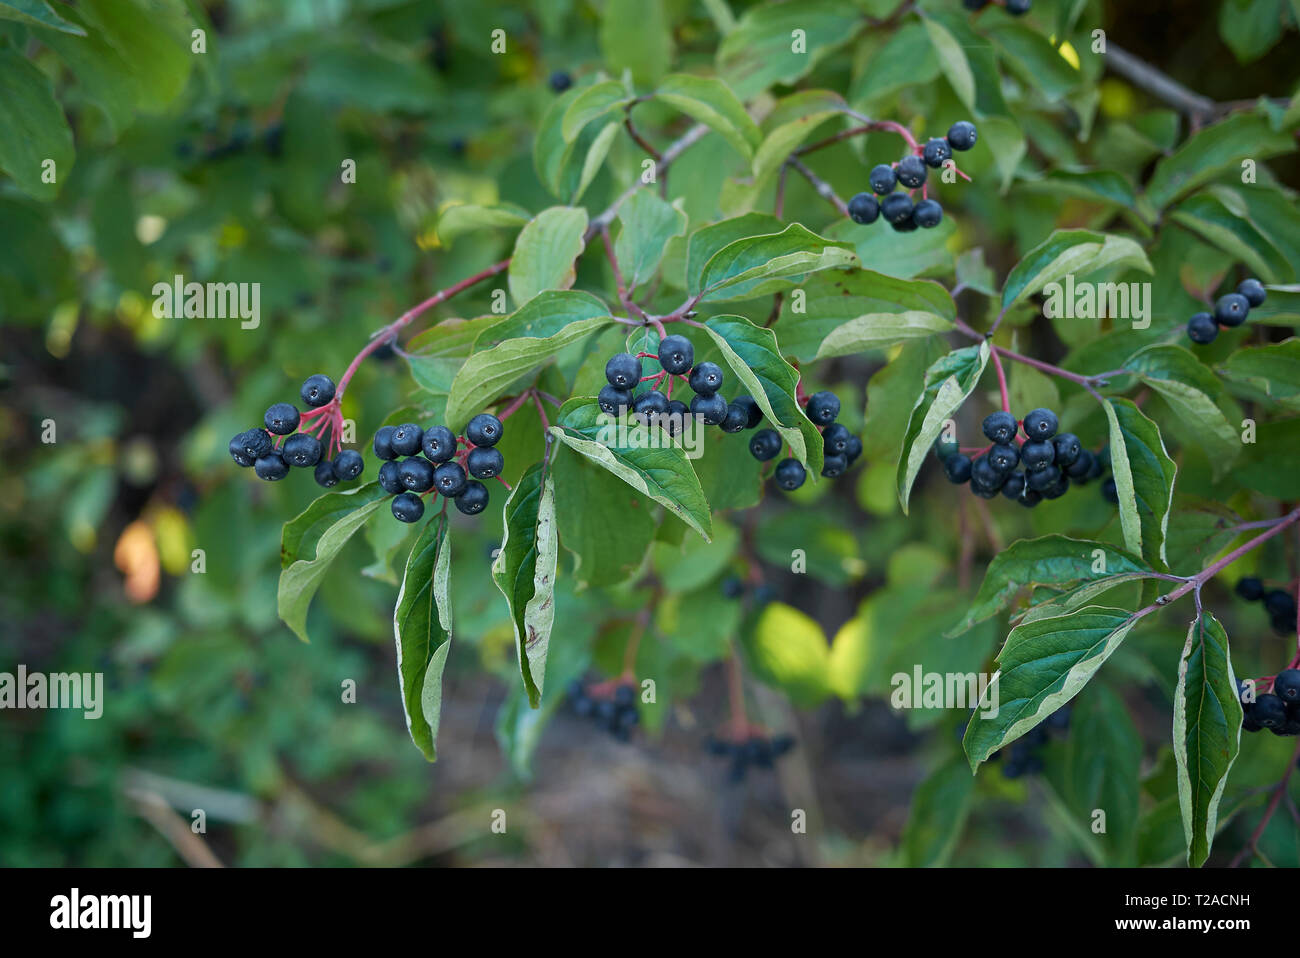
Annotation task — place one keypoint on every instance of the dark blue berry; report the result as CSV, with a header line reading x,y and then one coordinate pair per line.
x,y
317,390
765,444
1286,686
449,479
1231,310
1014,485
613,400
1202,329
834,465
937,152
1250,588
676,354
711,407
911,171
408,507
416,474
485,463
271,467
1000,427
383,444
1254,292
324,474
406,439
706,378
390,477
1037,454
485,429
962,135
281,419
864,209
1067,448
651,403
348,464
623,371
560,81
823,408
1269,711
896,208
239,451
1110,492
928,214
753,412
957,468
790,474
736,418
883,179
1040,424
301,450
474,499
438,444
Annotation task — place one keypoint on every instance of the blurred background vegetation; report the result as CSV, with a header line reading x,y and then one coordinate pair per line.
x,y
223,166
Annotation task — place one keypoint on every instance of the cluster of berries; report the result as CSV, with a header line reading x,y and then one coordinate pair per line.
x,y
281,444
442,468
613,711
840,447
1051,462
754,751
1230,310
1278,603
1278,710
897,208
1016,8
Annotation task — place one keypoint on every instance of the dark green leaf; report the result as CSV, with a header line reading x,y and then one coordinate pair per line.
x,y
422,630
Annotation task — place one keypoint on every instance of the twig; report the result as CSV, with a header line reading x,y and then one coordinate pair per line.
x,y
823,188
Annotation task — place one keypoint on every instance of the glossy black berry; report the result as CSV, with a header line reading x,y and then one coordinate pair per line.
x,y
1035,455
675,419
348,464
985,476
239,451
864,209
1030,498
560,81
406,439
281,419
622,371
317,390
613,400
408,507
897,208
957,468
1004,457
976,4
1018,8
1109,492
474,499
882,179
271,467
823,408
907,226
732,587
1269,711
390,477
1068,449
735,419
928,214
937,153
1250,588
416,474
1059,488
1286,686
1230,310
438,444
854,449
676,354
449,479
1042,478
485,429
485,463
324,474
1283,624
836,437
753,412
1000,427
706,378
911,171
1254,292
1279,602
710,407
765,444
383,444
650,403
962,135
1014,485
834,465
945,447
1081,469
1202,329
790,474
1040,424
301,450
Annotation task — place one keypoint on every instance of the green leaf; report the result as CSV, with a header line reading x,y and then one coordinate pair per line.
x,y
1250,27
754,356
788,649
37,13
312,541
1043,665
708,240
891,394
648,223
1207,731
1144,479
463,218
153,38
947,384
905,255
524,571
1038,63
592,103
566,168
104,75
740,266
939,809
436,355
790,123
1213,151
1190,389
642,456
489,374
1079,252
1272,370
546,314
32,128
907,58
545,251
422,631
862,310
711,102
1105,186
589,501
636,36
760,50
953,62
1054,560
1207,214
